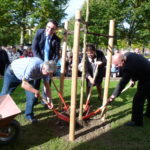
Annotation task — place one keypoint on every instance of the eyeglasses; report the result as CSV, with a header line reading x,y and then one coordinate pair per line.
x,y
52,29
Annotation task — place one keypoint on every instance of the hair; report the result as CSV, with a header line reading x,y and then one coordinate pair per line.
x,y
13,46
50,66
53,21
90,47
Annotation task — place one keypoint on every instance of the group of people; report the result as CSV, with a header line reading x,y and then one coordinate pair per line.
x,y
45,48
29,71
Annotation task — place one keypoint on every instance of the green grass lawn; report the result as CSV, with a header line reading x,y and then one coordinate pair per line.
x,y
41,136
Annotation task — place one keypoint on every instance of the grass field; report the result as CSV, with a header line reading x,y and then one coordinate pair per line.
x,y
42,137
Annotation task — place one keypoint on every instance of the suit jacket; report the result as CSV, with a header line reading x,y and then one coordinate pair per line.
x,y
39,43
137,68
101,69
4,61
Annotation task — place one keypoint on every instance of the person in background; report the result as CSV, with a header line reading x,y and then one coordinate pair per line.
x,y
69,60
24,53
4,61
25,71
30,53
13,54
58,64
136,68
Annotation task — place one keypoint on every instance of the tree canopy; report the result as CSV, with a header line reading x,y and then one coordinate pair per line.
x,y
131,19
20,15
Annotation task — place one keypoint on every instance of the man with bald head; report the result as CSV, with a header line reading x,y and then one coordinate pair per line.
x,y
136,68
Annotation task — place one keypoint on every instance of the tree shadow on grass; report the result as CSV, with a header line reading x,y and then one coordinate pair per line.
x,y
118,138
96,135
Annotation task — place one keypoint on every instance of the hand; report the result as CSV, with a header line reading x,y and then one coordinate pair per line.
x,y
92,81
99,63
50,103
37,94
132,83
110,99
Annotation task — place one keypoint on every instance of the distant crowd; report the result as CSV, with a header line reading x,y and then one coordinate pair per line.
x,y
9,54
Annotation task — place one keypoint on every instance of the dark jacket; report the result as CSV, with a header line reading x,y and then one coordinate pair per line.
x,y
39,43
136,68
4,61
101,69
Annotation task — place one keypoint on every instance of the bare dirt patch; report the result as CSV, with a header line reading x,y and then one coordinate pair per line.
x,y
92,128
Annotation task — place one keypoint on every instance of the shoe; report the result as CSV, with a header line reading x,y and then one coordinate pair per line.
x,y
146,115
133,124
31,119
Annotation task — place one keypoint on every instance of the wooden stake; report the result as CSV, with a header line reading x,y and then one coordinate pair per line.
x,y
83,66
109,60
63,63
74,75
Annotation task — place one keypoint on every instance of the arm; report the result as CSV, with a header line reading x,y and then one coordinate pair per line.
x,y
47,90
56,48
125,79
25,85
35,45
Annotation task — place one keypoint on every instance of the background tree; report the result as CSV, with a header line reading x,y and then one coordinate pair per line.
x,y
131,17
20,15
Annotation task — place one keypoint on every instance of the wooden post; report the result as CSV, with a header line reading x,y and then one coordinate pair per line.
x,y
74,75
83,65
109,60
63,62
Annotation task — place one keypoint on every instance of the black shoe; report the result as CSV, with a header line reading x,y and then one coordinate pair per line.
x,y
147,115
133,124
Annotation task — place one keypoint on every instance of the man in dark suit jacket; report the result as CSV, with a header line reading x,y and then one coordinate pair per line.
x,y
38,45
94,57
137,68
39,42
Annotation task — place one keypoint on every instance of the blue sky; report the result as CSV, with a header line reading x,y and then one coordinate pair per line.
x,y
74,5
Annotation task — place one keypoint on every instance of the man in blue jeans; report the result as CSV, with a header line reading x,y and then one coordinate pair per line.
x,y
25,71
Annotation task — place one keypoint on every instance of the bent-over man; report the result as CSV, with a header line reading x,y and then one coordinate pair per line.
x,y
136,68
25,71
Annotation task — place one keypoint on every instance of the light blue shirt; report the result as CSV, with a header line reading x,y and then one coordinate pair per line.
x,y
29,68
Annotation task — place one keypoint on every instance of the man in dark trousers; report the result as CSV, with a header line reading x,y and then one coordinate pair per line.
x,y
137,68
46,44
94,57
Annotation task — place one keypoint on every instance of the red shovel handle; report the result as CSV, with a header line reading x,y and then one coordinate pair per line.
x,y
92,113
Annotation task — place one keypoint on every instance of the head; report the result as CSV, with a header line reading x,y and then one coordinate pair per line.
x,y
137,50
48,67
118,59
25,53
51,27
90,50
14,50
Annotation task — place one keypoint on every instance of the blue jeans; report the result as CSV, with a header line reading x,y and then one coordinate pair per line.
x,y
10,83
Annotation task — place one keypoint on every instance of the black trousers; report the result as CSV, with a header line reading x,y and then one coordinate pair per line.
x,y
139,99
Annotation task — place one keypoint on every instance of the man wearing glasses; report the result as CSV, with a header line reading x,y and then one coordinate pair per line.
x,y
46,44
39,42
